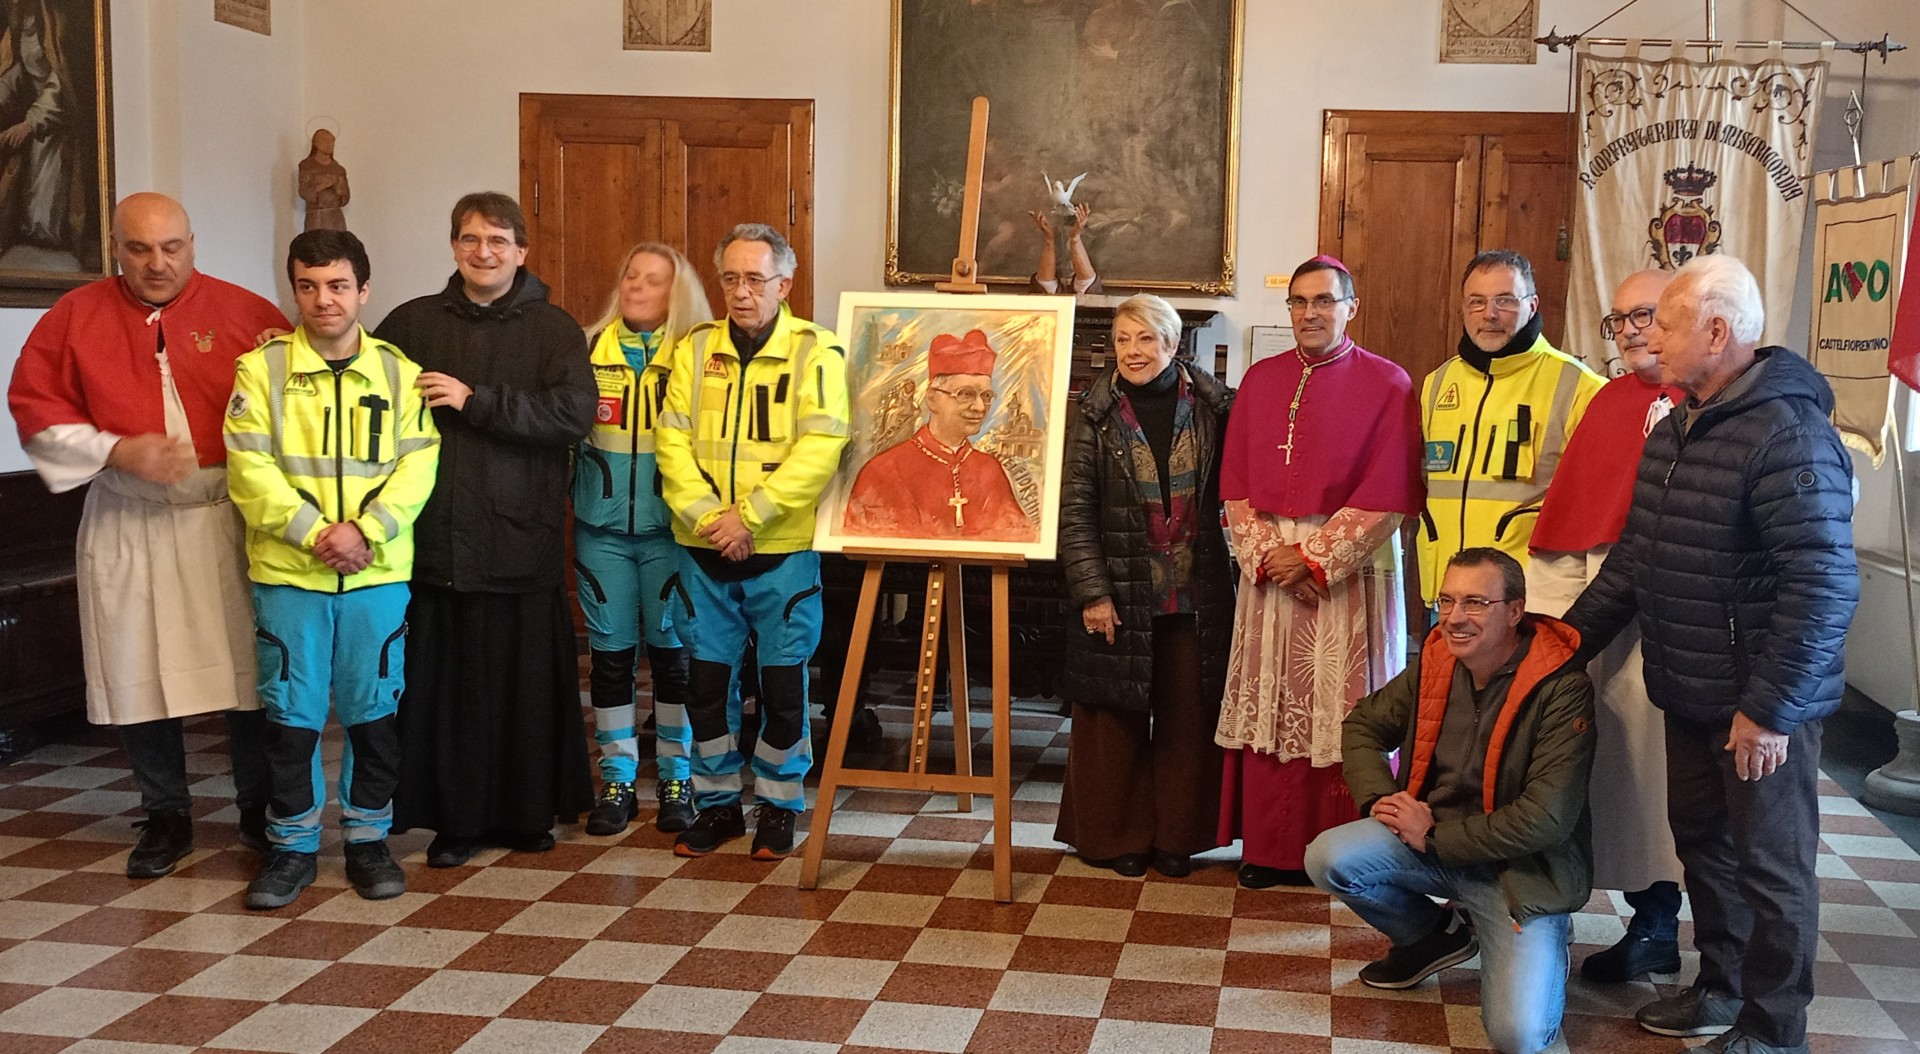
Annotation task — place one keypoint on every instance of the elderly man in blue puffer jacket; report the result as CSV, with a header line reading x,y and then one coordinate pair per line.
x,y
1738,562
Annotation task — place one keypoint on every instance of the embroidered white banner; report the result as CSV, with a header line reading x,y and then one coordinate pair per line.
x,y
1860,222
1677,158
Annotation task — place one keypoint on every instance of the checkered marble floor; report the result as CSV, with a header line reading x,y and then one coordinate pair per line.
x,y
614,944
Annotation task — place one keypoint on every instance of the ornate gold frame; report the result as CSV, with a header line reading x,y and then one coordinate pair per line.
x,y
42,288
1222,286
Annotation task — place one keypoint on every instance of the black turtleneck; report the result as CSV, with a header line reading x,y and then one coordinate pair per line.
x,y
747,344
1471,354
1153,404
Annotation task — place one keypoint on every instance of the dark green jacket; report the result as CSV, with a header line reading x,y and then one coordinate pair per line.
x,y
1534,825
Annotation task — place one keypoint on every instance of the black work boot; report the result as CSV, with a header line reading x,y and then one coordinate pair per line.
x,y
373,872
280,881
613,811
676,806
715,827
165,838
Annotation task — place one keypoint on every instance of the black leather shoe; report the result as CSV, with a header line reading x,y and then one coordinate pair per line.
x,y
1172,865
447,850
1256,876
1694,1012
1126,865
165,838
713,828
519,842
1632,958
371,869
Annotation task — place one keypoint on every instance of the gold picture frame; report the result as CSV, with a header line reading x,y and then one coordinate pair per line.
x,y
56,182
1063,80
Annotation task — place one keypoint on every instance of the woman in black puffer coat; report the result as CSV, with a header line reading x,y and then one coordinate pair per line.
x,y
1145,560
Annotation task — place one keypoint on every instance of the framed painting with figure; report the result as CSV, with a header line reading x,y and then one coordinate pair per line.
x,y
1130,109
56,148
957,425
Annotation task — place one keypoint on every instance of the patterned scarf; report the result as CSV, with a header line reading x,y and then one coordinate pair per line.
x,y
1170,525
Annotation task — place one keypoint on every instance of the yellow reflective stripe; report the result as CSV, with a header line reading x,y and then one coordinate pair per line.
x,y
258,442
824,424
276,359
323,467
408,446
386,519
762,506
621,443
702,505
676,420
1515,492
1556,438
303,520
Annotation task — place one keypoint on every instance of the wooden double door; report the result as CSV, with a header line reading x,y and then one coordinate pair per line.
x,y
1408,197
599,173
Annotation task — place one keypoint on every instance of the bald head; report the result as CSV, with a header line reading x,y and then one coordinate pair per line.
x,y
153,244
1634,303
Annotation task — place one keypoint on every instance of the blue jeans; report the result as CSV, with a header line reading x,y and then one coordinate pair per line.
x,y
1523,969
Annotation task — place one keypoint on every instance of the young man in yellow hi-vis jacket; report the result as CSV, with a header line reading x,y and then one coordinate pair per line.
x,y
330,455
1494,419
750,432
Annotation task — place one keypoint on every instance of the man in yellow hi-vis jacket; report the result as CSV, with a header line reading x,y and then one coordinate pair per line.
x,y
330,455
751,431
1494,419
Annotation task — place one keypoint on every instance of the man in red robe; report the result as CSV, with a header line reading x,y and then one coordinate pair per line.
x,y
1582,517
937,484
1319,472
123,383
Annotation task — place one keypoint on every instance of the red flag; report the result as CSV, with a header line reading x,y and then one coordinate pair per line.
x,y
1903,353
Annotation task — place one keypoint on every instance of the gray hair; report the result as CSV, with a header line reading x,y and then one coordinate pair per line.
x,y
1155,314
1722,286
784,262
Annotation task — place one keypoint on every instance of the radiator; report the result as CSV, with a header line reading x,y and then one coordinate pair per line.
x,y
1879,660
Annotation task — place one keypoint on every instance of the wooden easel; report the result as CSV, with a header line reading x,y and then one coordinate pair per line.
x,y
943,605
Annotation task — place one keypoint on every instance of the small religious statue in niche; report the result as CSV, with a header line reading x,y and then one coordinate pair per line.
x,y
323,186
1489,31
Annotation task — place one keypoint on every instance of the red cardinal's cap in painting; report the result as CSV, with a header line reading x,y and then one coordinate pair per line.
x,y
968,354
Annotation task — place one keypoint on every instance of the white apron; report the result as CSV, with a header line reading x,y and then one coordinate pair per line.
x,y
166,614
1632,843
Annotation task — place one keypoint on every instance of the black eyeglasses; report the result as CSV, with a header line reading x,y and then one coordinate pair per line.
x,y
1616,323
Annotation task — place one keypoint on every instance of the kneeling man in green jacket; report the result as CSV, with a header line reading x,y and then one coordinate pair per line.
x,y
1486,808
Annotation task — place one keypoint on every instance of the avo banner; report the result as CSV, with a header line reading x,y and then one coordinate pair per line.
x,y
1860,224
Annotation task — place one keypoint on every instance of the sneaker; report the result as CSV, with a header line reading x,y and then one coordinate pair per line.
x,y
1734,1041
613,811
772,832
1632,958
253,828
676,806
1449,945
280,881
371,869
1695,1012
447,850
165,837
712,828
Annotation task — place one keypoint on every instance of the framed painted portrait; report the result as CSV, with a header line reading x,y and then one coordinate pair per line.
x,y
1131,109
56,148
958,425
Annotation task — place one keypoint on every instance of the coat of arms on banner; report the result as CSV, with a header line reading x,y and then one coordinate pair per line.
x,y
1685,227
1489,31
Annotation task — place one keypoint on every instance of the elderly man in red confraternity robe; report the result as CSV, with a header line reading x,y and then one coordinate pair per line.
x,y
124,384
937,484
1320,468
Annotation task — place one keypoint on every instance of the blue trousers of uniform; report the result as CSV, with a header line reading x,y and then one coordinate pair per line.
x,y
622,581
781,609
350,649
